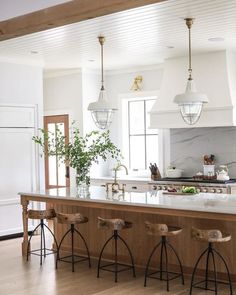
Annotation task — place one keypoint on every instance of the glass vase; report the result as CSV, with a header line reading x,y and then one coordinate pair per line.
x,y
82,182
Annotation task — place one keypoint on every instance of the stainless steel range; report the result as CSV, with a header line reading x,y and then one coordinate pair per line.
x,y
206,186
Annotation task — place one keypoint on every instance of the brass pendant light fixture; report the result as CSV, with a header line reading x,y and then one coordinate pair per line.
x,y
190,102
102,110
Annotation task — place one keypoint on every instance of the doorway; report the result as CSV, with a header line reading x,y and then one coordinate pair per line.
x,y
57,173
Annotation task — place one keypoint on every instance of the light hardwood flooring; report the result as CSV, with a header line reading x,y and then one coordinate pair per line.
x,y
27,278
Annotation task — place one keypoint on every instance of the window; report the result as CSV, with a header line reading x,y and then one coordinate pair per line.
x,y
142,141
56,172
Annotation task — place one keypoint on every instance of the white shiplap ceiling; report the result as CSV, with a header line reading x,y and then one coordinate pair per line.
x,y
135,37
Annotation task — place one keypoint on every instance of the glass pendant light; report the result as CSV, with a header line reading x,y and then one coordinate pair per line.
x,y
102,111
190,102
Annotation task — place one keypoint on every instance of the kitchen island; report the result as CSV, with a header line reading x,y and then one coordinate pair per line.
x,y
204,210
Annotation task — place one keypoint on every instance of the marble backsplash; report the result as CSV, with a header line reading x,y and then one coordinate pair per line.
x,y
188,145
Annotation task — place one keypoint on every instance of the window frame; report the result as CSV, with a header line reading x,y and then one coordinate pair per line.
x,y
164,134
144,134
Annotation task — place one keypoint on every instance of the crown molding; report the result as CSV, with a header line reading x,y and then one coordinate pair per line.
x,y
136,69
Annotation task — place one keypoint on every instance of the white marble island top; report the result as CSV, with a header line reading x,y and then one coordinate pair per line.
x,y
202,202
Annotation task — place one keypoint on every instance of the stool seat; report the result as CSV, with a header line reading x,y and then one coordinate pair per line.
x,y
158,229
210,236
41,214
75,218
113,224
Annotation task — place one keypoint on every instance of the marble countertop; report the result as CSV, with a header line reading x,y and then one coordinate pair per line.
x,y
204,202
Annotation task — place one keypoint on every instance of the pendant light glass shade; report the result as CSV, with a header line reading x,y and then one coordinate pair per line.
x,y
102,111
191,102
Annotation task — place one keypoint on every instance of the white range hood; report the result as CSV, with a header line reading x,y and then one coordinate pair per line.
x,y
214,74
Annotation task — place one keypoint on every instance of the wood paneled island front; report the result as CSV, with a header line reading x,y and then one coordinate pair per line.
x,y
204,210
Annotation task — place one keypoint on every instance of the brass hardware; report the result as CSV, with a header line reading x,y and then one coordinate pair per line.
x,y
137,83
115,186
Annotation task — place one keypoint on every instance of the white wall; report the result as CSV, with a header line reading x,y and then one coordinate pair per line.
x,y
63,95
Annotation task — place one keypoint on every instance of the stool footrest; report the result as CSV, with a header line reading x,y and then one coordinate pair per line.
x,y
48,252
125,267
81,258
195,285
173,275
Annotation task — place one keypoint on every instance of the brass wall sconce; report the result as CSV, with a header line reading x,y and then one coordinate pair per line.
x,y
137,83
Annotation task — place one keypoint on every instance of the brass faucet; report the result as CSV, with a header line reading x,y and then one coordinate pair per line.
x,y
117,168
115,186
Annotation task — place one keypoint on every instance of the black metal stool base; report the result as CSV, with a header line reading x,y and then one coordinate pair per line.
x,y
163,274
116,267
210,251
42,251
66,258
73,257
46,252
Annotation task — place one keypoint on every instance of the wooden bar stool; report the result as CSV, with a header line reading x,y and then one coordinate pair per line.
x,y
41,215
211,237
115,225
72,220
164,274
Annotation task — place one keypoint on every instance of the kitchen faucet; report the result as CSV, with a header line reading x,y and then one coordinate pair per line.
x,y
115,187
117,168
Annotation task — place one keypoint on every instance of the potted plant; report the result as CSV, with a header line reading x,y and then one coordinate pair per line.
x,y
80,152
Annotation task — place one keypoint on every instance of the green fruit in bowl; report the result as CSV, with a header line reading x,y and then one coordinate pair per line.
x,y
189,190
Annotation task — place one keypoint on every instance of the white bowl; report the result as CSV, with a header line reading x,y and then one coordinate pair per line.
x,y
174,173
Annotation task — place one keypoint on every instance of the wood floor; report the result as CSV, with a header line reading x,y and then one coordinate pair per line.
x,y
22,278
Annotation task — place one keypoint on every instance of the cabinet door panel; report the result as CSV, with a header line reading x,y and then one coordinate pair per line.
x,y
17,174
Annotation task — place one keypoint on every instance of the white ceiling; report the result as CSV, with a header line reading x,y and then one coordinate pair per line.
x,y
135,37
13,8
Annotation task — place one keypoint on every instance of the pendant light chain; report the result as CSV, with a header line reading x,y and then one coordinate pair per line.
x,y
101,41
189,22
190,55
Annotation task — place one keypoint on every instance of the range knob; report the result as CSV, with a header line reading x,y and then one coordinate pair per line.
x,y
154,187
204,190
212,190
220,191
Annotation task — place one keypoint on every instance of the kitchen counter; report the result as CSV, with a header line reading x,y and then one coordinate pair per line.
x,y
203,202
204,210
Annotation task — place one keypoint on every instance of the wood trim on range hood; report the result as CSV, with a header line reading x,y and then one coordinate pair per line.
x,y
64,14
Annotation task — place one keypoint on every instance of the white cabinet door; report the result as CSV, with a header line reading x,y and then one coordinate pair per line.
x,y
17,174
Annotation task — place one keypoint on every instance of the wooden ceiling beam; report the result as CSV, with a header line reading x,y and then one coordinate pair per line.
x,y
63,14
